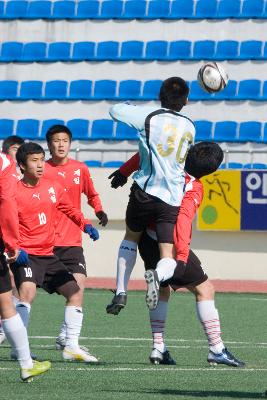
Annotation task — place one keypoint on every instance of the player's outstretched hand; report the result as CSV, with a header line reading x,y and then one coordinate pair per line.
x,y
22,258
103,218
91,231
179,270
117,179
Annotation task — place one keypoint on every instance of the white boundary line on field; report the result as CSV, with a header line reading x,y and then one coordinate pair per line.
x,y
149,339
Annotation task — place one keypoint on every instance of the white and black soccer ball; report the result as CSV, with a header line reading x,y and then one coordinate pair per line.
x,y
212,77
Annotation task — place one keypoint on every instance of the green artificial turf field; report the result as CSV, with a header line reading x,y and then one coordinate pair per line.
x,y
123,345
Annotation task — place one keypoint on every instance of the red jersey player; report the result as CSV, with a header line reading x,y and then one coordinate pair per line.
x,y
39,200
202,159
75,178
13,326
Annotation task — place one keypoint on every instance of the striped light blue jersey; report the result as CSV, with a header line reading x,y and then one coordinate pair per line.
x,y
165,137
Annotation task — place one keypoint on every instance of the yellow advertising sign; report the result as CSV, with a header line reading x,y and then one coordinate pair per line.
x,y
220,209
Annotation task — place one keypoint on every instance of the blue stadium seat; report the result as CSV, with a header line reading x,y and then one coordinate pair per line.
x,y
28,128
249,90
227,50
88,9
203,130
125,132
228,93
39,9
156,50
256,166
80,90
107,51
181,9
134,9
204,50
252,9
111,9
105,89
151,89
63,10
93,163
16,9
225,131
112,164
250,132
56,90
8,90
234,165
206,9
158,9
264,91
129,90
102,129
79,129
83,51
265,133
197,93
59,51
2,6
31,90
6,128
228,9
48,123
179,50
35,51
251,49
11,51
132,50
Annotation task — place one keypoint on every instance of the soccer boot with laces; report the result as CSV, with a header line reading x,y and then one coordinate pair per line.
x,y
226,358
61,343
38,368
157,357
118,302
78,354
152,294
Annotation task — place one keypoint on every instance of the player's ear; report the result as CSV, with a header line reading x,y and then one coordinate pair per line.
x,y
22,167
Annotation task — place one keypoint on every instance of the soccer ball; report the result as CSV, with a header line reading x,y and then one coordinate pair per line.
x,y
212,77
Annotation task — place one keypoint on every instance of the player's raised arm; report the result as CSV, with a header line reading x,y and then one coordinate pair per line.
x,y
120,176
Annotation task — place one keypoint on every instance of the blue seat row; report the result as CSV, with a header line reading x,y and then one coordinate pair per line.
x,y
106,129
133,50
251,89
131,9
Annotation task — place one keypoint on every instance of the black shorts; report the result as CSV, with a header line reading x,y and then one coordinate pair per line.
x,y
193,276
47,272
143,209
5,283
72,257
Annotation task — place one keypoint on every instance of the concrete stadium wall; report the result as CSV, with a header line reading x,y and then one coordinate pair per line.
x,y
224,255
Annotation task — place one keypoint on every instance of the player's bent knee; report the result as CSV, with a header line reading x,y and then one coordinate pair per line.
x,y
205,291
27,292
71,291
7,309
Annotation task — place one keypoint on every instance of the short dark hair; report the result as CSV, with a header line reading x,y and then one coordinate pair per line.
x,y
27,149
174,93
10,141
203,158
57,129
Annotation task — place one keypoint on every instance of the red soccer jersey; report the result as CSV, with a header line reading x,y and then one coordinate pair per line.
x,y
75,178
190,203
37,210
8,206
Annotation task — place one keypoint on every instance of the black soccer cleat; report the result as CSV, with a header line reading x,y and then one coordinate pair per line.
x,y
152,294
226,358
157,357
118,302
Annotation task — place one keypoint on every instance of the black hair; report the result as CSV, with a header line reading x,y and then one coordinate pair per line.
x,y
57,129
10,141
27,149
203,158
173,93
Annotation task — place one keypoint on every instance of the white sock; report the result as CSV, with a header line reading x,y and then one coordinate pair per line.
x,y
157,323
210,320
24,310
73,321
63,331
125,263
16,334
165,268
